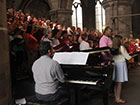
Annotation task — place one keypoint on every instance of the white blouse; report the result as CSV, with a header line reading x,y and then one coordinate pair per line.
x,y
122,56
84,45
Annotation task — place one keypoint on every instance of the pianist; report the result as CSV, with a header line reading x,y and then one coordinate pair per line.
x,y
47,74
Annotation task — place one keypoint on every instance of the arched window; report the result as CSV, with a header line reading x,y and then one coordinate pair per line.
x,y
100,16
77,14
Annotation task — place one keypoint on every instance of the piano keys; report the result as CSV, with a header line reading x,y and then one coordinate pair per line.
x,y
100,76
83,82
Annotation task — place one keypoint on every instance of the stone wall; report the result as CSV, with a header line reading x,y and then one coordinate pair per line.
x,y
116,11
5,84
61,11
136,19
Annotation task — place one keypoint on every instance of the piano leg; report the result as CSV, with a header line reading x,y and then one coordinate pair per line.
x,y
72,96
75,96
78,94
105,97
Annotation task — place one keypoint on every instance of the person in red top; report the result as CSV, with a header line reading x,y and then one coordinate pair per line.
x,y
132,50
63,36
31,42
64,46
31,46
132,47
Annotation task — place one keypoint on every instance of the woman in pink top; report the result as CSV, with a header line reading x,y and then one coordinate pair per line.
x,y
105,40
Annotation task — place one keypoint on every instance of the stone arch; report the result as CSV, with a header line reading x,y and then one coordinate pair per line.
x,y
49,2
35,6
69,4
66,4
31,6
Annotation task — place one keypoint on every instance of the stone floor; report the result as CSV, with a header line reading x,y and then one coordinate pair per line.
x,y
130,92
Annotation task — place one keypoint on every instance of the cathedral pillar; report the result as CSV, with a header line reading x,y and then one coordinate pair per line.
x,y
136,18
116,12
88,8
5,91
61,11
63,16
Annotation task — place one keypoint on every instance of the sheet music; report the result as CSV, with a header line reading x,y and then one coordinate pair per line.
x,y
75,58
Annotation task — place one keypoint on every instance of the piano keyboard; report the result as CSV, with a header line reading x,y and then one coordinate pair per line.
x,y
82,82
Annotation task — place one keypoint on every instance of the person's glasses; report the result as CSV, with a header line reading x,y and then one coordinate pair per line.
x,y
110,30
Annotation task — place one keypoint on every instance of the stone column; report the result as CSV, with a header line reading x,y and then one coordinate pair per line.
x,y
136,19
5,84
116,11
88,8
10,3
63,16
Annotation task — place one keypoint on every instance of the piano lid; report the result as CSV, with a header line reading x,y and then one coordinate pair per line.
x,y
71,58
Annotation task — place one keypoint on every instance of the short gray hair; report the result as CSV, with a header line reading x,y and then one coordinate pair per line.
x,y
44,47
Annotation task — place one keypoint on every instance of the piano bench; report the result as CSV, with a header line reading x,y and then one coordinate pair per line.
x,y
63,101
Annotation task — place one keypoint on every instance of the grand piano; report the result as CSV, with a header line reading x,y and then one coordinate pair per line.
x,y
86,69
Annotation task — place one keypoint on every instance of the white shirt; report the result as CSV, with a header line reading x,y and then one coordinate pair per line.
x,y
47,74
137,45
84,45
47,40
122,56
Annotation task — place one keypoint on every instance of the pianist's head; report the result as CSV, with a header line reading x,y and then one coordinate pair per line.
x,y
45,48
